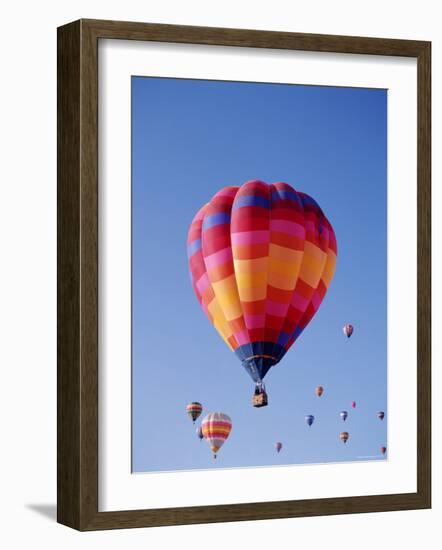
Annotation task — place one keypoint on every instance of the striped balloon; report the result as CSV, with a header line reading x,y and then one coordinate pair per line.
x,y
194,409
216,428
261,259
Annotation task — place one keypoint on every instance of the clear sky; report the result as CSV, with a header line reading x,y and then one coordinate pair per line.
x,y
189,139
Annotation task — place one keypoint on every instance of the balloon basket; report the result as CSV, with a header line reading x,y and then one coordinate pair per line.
x,y
260,399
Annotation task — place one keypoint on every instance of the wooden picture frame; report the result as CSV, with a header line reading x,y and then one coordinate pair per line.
x,y
77,461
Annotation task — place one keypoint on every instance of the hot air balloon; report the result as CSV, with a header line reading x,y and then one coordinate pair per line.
x,y
343,415
278,446
383,450
309,419
353,404
261,259
194,409
343,436
319,391
348,330
381,415
199,433
216,428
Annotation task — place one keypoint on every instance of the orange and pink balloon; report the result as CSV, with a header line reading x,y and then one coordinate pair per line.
x,y
261,259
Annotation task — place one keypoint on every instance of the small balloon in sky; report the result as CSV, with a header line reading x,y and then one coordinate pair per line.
x,y
383,450
343,415
353,404
278,446
309,418
343,436
199,433
348,330
216,429
381,415
194,409
319,391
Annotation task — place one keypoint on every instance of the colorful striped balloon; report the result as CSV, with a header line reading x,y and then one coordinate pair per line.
x,y
261,259
216,428
194,409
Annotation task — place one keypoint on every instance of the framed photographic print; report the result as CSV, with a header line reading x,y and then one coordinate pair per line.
x,y
243,275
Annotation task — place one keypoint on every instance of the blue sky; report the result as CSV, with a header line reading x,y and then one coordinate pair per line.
x,y
189,139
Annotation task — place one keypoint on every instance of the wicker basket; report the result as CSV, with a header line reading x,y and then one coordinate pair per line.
x,y
260,399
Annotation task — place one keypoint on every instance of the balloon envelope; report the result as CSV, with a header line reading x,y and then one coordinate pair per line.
x,y
383,450
353,404
319,391
199,432
216,428
194,409
348,330
309,419
381,415
344,415
343,436
278,446
261,259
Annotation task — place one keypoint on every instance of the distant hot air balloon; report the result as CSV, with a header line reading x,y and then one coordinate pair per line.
x,y
383,450
261,259
199,432
348,330
194,409
343,415
343,436
381,415
278,446
309,419
353,404
216,428
319,391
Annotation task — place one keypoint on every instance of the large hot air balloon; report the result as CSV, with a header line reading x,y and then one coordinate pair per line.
x,y
194,409
383,450
216,428
199,432
278,446
381,415
309,418
319,391
353,404
343,415
343,436
348,330
261,259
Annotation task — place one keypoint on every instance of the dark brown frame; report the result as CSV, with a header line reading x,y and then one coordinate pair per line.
x,y
77,224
